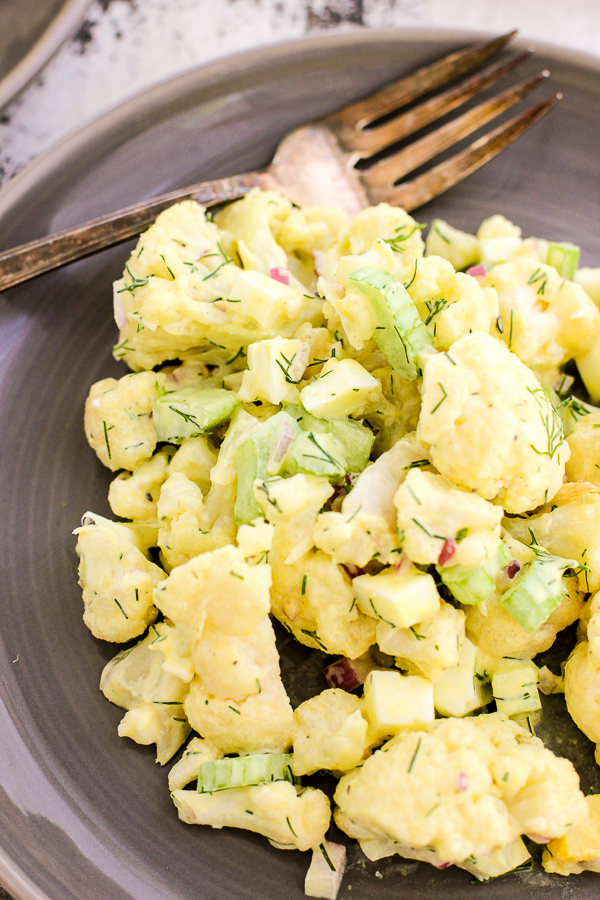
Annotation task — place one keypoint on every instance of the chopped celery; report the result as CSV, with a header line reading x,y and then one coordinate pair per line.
x,y
356,439
260,456
564,257
400,334
471,585
317,454
186,413
243,771
537,590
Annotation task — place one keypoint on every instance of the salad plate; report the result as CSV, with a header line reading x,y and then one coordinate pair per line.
x,y
84,814
31,31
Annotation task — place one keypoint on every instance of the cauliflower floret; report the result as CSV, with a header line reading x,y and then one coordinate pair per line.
x,y
584,443
428,647
460,787
117,581
366,526
545,318
250,222
490,426
579,849
568,527
236,699
179,510
582,679
434,516
490,626
329,732
288,819
137,681
458,247
451,304
198,751
260,722
384,222
118,419
195,458
134,495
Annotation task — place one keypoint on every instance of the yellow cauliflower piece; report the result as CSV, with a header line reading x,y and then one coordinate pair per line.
x,y
118,419
451,303
137,681
431,511
460,787
579,849
179,511
491,627
117,580
568,527
584,443
428,647
490,426
384,222
195,458
545,318
261,721
329,732
288,819
582,679
251,223
134,495
198,751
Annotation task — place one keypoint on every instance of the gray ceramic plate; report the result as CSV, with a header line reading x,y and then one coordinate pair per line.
x,y
83,814
31,31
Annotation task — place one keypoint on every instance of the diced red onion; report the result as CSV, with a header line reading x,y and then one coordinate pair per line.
x,y
539,838
447,552
444,865
402,565
462,781
119,311
278,273
282,443
512,568
349,674
476,271
319,261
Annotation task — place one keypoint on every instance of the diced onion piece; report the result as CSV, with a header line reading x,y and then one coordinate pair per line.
x,y
326,871
476,271
278,273
447,552
119,311
348,674
512,569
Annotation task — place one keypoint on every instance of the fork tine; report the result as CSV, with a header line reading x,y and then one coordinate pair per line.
x,y
446,174
372,141
363,112
393,167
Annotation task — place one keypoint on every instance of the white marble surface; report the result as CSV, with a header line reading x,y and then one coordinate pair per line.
x,y
126,45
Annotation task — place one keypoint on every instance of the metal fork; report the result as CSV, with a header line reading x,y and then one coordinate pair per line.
x,y
340,160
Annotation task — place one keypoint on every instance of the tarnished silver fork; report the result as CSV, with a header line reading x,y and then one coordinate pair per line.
x,y
348,159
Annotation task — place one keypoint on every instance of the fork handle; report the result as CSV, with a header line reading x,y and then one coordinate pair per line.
x,y
24,262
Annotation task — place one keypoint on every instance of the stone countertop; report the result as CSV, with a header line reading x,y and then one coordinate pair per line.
x,y
124,46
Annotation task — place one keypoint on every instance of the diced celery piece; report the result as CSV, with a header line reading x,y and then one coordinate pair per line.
x,y
186,413
400,335
564,257
254,459
515,690
471,585
317,454
537,590
243,771
356,439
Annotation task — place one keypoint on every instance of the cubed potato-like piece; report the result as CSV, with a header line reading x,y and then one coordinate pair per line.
x,y
394,702
399,598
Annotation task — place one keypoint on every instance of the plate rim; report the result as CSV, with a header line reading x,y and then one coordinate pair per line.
x,y
12,877
58,31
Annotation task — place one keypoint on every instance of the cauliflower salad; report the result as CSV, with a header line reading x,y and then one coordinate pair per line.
x,y
370,438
